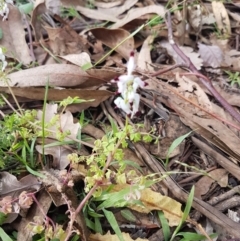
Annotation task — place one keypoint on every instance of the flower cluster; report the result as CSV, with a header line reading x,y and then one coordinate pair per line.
x,y
127,87
4,10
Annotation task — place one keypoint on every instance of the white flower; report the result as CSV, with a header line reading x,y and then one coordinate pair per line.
x,y
2,58
120,103
4,10
127,87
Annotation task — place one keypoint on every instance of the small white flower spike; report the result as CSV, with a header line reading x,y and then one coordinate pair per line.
x,y
2,58
135,105
140,83
131,64
121,86
127,87
4,65
4,11
120,103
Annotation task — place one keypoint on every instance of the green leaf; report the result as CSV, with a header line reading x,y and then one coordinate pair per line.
x,y
113,222
165,226
185,213
111,199
128,215
87,66
191,236
4,236
175,144
26,8
3,217
75,238
188,205
90,224
98,226
113,125
34,172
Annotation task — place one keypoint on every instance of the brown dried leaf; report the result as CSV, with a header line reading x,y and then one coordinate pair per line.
x,y
64,75
112,237
204,184
65,40
188,51
54,6
211,55
112,37
144,60
103,5
14,37
96,14
116,11
195,17
59,153
221,17
36,23
138,12
192,91
11,186
95,96
64,123
78,59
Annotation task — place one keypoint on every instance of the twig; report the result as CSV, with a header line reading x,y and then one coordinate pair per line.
x,y
205,81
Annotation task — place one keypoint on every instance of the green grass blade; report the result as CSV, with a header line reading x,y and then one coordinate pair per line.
x,y
185,213
43,117
113,222
98,226
4,236
175,144
165,226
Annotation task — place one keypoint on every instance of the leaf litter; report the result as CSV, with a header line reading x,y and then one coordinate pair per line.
x,y
67,55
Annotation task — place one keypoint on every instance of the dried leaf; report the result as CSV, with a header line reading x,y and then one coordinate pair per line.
x,y
203,184
11,186
221,17
138,12
188,51
211,55
233,215
64,123
59,153
192,91
39,9
65,40
112,237
95,96
103,5
78,59
14,37
96,14
144,57
112,37
115,11
195,17
64,75
54,6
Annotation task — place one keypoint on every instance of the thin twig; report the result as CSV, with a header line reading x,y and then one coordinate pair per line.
x,y
205,81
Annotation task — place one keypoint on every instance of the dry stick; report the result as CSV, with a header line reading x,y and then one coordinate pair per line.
x,y
206,82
